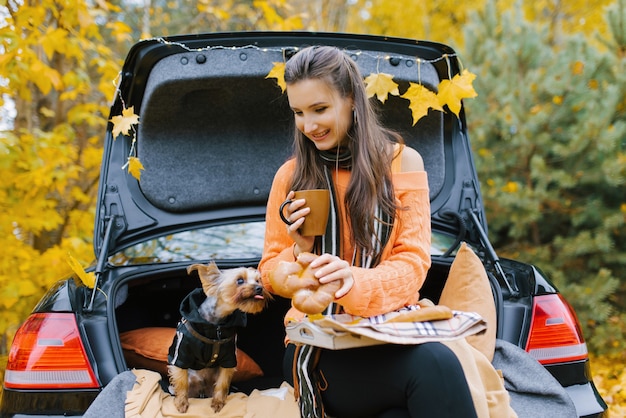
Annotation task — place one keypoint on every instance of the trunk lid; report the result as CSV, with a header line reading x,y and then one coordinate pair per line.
x,y
213,129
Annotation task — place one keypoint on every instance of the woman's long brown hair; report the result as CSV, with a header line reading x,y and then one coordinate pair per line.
x,y
370,143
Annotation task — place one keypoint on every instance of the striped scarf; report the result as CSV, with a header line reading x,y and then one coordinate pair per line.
x,y
307,378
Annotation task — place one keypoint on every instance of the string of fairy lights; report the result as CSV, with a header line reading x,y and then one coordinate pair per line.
x,y
284,52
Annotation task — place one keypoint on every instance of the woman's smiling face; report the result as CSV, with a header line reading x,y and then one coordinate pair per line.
x,y
320,112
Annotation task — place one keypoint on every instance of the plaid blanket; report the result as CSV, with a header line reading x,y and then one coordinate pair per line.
x,y
398,327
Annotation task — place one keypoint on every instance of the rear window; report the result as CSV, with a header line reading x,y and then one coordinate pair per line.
x,y
222,242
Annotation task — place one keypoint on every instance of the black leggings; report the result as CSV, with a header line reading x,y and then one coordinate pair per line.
x,y
392,381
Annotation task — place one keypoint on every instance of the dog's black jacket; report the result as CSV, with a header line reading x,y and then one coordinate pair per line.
x,y
199,344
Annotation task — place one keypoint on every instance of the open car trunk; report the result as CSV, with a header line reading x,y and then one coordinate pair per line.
x,y
213,129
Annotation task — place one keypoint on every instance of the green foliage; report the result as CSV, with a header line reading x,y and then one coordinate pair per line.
x,y
616,21
548,130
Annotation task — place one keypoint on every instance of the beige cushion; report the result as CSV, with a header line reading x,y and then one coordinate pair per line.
x,y
467,289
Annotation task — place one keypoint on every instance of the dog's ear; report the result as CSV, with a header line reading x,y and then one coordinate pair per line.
x,y
209,273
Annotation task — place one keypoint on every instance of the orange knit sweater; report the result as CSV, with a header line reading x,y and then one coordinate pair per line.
x,y
395,282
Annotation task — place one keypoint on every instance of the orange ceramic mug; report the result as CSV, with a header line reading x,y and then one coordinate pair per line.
x,y
318,200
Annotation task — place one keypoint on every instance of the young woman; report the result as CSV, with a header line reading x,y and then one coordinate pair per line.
x,y
377,245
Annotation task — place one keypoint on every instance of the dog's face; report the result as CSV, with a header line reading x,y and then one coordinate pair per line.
x,y
237,288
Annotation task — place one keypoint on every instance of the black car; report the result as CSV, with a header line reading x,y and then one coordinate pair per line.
x,y
213,129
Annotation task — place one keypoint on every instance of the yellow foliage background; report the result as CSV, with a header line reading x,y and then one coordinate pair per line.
x,y
59,66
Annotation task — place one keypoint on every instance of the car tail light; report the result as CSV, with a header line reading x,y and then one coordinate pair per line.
x,y
47,353
555,334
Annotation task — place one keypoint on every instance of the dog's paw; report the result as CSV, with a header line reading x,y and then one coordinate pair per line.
x,y
181,403
218,403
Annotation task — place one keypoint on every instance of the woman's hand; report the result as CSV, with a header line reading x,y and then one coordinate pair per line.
x,y
295,212
330,268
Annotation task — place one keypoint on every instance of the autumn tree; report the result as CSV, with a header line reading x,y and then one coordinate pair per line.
x,y
437,20
156,18
58,75
445,20
548,131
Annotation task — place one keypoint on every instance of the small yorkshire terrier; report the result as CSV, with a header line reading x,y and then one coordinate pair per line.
x,y
202,357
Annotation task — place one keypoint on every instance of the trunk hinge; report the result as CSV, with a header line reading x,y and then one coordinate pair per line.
x,y
102,257
111,219
491,253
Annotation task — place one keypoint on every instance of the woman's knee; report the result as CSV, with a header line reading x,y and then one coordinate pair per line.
x,y
435,359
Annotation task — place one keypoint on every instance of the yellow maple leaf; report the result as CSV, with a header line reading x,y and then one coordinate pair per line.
x,y
381,85
278,72
420,100
123,124
451,92
120,30
135,167
44,77
88,279
55,40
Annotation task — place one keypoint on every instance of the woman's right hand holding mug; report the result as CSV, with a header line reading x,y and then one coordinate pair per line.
x,y
293,213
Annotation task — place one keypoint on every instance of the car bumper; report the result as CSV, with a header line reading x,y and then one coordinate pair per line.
x,y
20,403
41,416
587,401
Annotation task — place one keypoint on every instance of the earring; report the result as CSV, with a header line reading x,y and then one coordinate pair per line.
x,y
354,118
